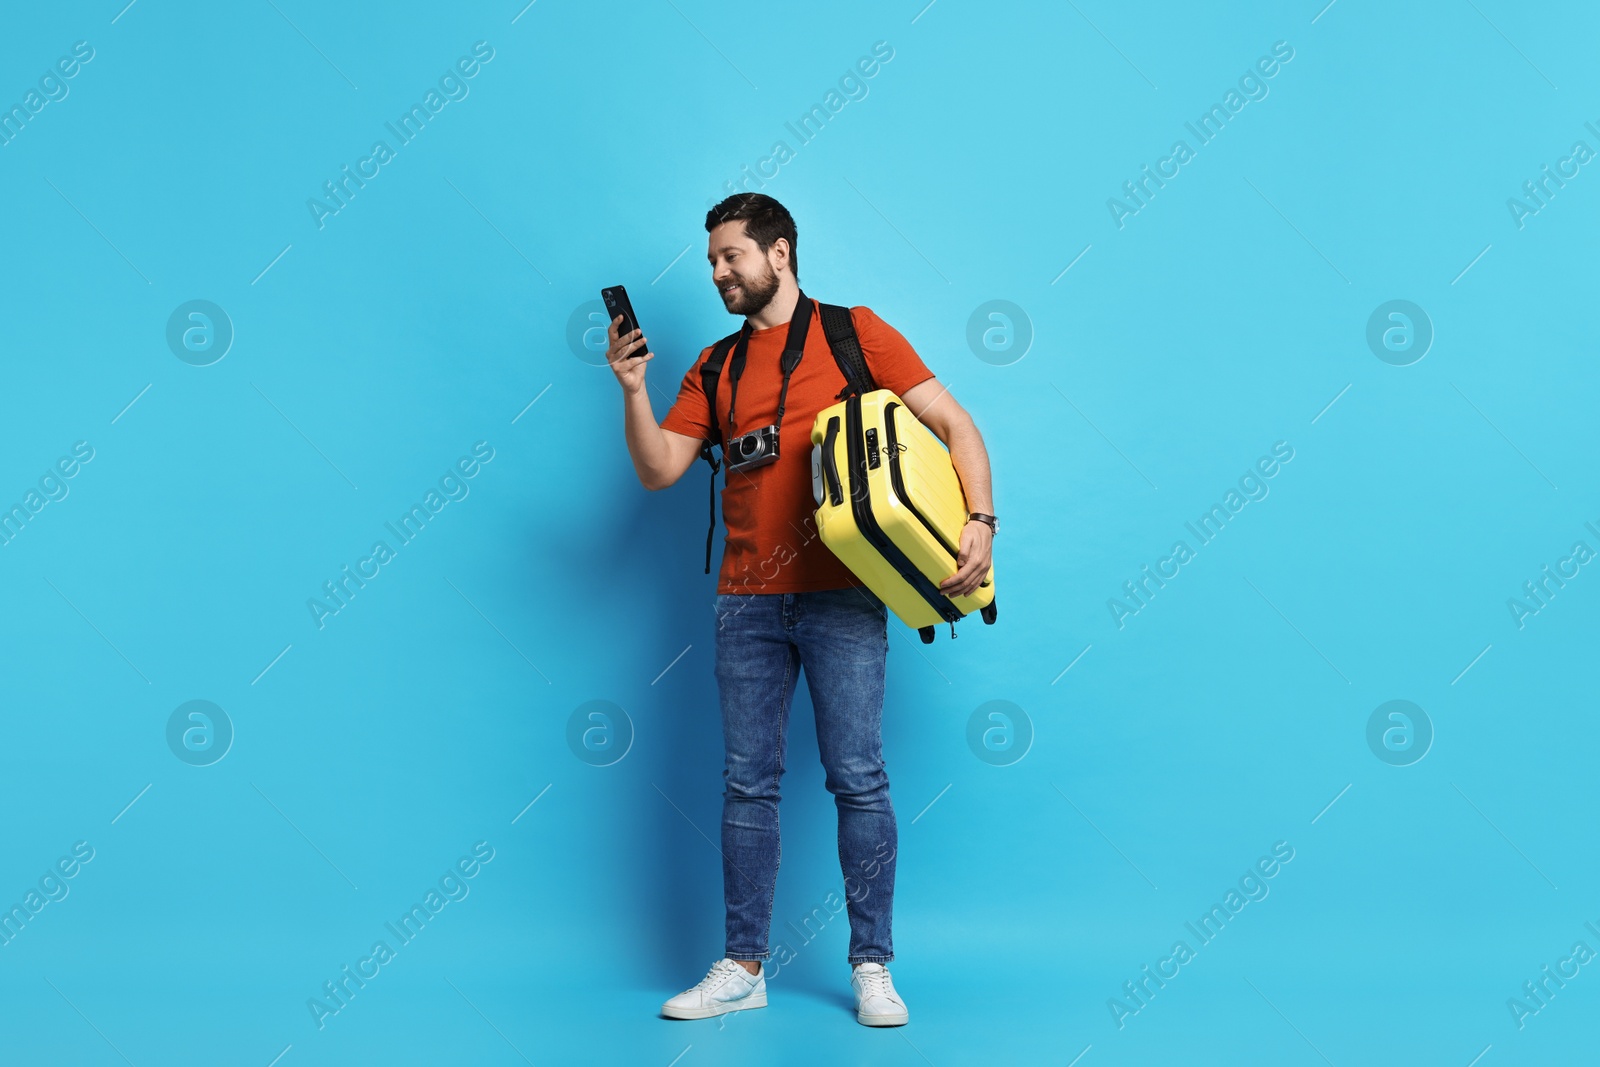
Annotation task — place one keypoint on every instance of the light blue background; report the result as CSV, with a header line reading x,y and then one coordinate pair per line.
x,y
426,716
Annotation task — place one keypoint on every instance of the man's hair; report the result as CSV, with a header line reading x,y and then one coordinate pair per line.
x,y
765,220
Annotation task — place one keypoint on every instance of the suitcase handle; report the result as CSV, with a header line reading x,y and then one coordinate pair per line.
x,y
830,470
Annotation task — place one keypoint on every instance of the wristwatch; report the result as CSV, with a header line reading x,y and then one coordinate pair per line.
x,y
989,520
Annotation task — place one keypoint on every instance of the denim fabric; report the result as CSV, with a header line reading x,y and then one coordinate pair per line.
x,y
840,637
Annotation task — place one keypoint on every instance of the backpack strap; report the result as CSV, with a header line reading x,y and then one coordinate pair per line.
x,y
846,346
710,374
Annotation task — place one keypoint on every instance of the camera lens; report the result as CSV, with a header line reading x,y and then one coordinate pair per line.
x,y
748,446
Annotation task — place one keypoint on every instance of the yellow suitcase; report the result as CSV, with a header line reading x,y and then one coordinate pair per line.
x,y
891,507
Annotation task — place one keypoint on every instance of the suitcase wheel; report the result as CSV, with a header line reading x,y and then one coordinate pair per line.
x,y
988,613
926,633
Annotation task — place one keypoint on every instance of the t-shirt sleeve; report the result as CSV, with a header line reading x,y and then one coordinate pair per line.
x,y
894,364
690,415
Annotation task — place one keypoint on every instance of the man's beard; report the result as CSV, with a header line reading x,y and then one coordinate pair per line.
x,y
753,296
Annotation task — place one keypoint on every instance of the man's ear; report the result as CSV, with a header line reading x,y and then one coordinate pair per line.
x,y
780,248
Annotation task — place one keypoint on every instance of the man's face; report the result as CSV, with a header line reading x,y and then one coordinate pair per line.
x,y
742,274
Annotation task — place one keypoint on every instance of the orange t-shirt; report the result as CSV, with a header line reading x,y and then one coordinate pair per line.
x,y
771,544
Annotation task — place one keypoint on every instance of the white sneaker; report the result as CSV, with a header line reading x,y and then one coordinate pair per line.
x,y
877,1004
726,987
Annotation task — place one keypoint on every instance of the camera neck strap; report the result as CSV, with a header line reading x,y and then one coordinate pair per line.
x,y
793,348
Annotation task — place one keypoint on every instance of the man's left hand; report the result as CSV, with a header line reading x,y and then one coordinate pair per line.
x,y
977,549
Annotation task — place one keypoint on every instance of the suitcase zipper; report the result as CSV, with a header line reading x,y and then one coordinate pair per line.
x,y
894,449
861,508
899,482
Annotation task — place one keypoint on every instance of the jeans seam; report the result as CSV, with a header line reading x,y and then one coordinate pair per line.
x,y
777,783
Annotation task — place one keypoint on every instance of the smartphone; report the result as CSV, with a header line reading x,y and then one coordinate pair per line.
x,y
617,303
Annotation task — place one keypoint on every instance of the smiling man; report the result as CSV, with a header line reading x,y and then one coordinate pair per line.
x,y
784,602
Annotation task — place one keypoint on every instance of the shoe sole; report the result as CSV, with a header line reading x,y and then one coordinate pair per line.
x,y
754,1000
883,1020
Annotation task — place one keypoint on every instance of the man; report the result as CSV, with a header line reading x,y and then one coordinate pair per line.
x,y
785,602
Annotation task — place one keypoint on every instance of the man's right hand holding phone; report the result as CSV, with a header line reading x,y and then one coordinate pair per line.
x,y
628,368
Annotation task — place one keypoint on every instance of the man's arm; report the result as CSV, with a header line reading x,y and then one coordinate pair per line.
x,y
660,456
936,409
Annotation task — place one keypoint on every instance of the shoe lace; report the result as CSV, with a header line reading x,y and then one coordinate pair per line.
x,y
875,983
720,972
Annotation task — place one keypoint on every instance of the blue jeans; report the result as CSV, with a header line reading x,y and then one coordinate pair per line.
x,y
840,637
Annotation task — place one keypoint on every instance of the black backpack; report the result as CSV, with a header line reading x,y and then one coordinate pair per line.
x,y
846,348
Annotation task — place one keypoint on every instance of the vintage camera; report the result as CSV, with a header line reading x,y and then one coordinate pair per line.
x,y
754,449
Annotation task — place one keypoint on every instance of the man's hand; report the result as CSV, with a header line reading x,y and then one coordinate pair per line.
x,y
628,368
972,563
